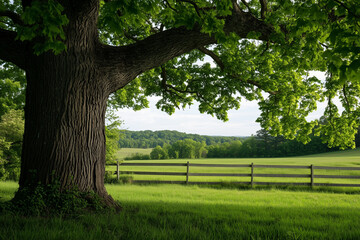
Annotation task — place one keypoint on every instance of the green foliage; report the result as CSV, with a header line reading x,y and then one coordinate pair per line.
x,y
186,148
226,150
132,96
112,134
159,153
265,145
44,20
49,200
151,139
11,132
12,87
309,35
12,98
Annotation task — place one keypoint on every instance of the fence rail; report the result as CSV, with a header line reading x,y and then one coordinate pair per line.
x,y
252,174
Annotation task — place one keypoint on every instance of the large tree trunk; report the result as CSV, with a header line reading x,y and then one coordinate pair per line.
x,y
66,98
65,118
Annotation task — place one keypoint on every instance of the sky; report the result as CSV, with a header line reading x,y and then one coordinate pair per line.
x,y
190,120
241,122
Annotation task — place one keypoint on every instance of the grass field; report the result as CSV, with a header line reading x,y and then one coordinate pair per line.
x,y
128,152
200,212
349,158
191,212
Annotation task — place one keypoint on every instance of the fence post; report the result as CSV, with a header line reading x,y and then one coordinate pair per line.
x,y
312,176
117,169
252,175
187,172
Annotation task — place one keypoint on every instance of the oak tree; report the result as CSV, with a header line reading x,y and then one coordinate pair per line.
x,y
78,53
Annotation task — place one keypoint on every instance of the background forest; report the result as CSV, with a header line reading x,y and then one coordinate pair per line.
x,y
173,144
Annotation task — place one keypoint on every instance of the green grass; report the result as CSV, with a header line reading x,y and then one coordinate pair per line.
x,y
191,212
7,190
349,158
200,212
128,152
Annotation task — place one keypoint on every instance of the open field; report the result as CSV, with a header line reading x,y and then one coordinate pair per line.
x,y
200,212
192,212
349,158
128,152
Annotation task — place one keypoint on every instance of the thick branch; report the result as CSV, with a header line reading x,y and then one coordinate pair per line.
x,y
264,8
12,50
127,62
242,23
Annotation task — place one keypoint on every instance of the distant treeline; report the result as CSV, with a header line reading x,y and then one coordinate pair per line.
x,y
265,145
151,139
260,145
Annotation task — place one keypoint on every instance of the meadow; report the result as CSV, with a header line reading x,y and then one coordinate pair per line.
x,y
128,152
204,212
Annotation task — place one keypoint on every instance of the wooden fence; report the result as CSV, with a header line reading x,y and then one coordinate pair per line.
x,y
312,176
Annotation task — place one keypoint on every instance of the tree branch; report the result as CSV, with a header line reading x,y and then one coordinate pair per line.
x,y
166,87
247,6
220,63
15,18
346,99
264,8
347,8
168,4
215,57
197,9
12,50
127,62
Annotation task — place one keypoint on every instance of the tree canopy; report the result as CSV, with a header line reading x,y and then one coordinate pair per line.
x,y
262,50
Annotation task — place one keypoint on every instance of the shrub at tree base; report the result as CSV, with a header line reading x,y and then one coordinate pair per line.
x,y
40,200
110,178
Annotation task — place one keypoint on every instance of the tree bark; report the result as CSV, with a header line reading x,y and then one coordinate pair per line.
x,y
66,96
65,119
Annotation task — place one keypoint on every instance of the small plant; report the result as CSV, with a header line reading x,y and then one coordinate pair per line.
x,y
126,179
49,200
111,178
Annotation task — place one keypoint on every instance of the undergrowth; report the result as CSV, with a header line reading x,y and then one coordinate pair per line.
x,y
51,200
